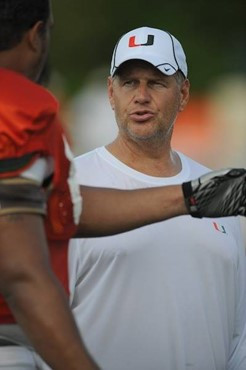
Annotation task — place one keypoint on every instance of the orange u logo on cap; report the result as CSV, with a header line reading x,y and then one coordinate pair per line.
x,y
132,41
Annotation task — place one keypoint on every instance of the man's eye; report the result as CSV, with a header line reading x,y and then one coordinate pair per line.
x,y
128,83
158,84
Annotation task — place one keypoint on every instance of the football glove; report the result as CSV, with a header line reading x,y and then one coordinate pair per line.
x,y
217,194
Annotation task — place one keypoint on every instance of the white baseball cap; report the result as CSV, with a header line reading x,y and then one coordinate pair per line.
x,y
155,46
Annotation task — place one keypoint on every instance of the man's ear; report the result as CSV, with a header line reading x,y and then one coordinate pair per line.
x,y
34,36
185,95
111,92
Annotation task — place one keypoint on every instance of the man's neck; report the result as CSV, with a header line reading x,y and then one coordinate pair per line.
x,y
13,60
151,160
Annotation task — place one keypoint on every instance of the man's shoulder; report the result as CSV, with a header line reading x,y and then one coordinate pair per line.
x,y
92,167
196,168
17,90
26,111
88,157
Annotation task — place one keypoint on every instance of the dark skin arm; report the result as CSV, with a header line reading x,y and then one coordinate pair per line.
x,y
35,296
109,211
30,287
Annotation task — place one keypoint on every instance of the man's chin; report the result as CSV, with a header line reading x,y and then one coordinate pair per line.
x,y
146,137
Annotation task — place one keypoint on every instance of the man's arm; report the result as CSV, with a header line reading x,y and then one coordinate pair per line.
x,y
35,296
109,211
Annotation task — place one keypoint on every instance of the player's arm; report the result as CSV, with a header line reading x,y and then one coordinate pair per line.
x,y
27,282
109,211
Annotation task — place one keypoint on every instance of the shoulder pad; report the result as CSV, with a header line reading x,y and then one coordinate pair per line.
x,y
25,110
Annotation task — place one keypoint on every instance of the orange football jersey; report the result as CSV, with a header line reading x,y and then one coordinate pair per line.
x,y
30,128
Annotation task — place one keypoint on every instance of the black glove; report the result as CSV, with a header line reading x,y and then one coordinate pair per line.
x,y
217,194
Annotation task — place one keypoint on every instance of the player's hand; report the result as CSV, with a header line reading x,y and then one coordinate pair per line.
x,y
217,194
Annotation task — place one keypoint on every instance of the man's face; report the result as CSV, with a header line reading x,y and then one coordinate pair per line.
x,y
146,102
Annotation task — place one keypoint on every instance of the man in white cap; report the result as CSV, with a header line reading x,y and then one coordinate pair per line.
x,y
170,295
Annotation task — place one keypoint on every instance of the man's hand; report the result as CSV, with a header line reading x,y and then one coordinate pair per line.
x,y
217,194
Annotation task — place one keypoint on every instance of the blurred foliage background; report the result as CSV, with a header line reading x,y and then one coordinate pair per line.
x,y
213,34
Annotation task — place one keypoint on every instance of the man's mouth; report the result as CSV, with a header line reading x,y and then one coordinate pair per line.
x,y
141,116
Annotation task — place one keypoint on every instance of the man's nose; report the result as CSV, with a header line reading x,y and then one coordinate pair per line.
x,y
142,94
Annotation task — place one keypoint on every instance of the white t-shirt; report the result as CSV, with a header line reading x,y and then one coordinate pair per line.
x,y
168,296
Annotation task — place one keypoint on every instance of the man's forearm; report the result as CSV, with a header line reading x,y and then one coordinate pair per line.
x,y
110,211
216,194
35,296
42,310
